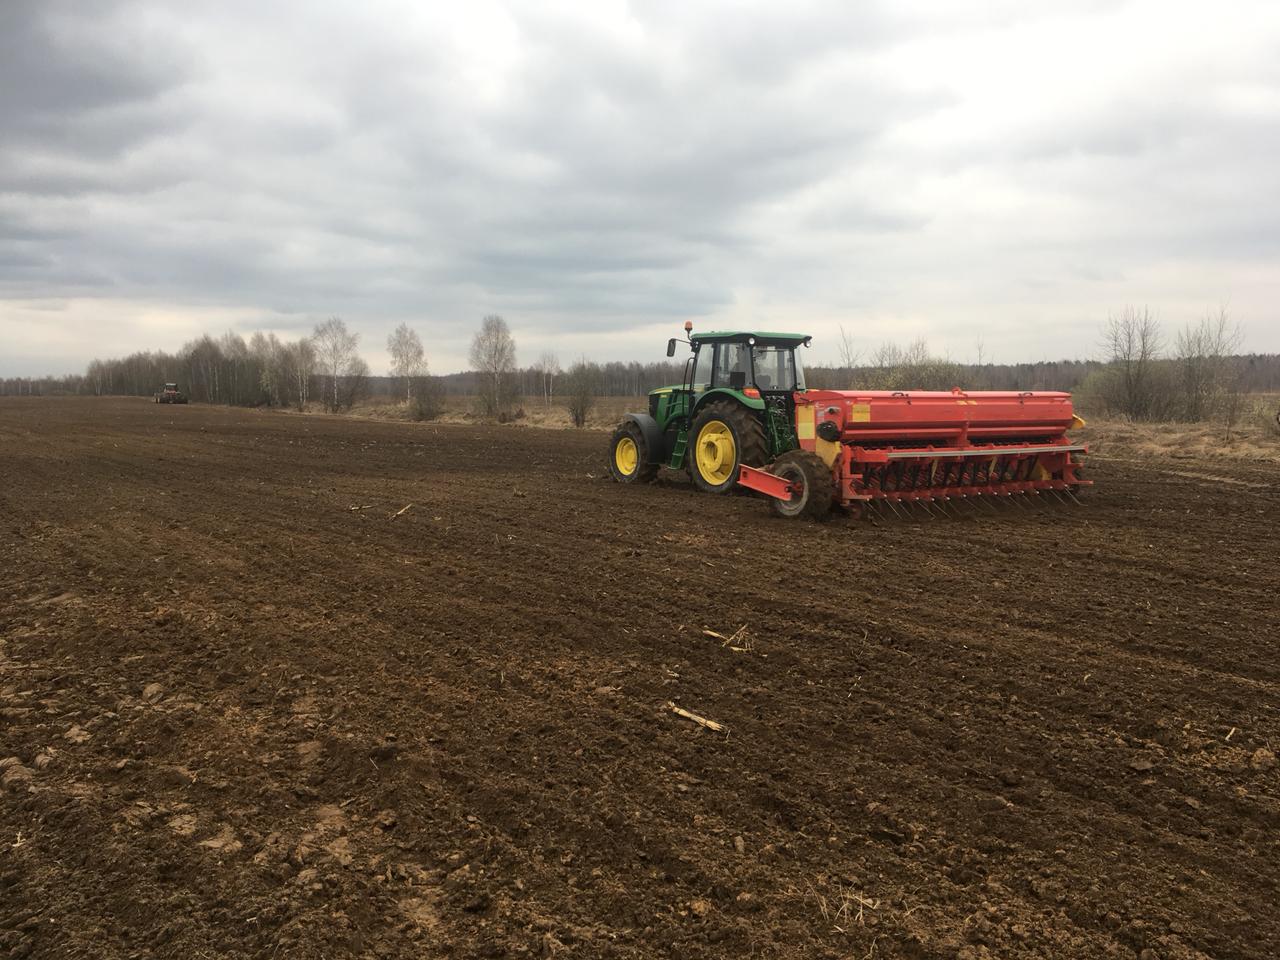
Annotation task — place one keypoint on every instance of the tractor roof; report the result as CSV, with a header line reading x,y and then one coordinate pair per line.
x,y
784,339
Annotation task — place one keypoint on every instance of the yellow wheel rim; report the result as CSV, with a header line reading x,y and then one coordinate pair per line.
x,y
626,456
717,455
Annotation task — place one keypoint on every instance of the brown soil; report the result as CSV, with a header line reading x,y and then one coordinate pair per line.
x,y
246,709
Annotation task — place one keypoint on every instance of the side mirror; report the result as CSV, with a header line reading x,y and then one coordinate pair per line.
x,y
671,347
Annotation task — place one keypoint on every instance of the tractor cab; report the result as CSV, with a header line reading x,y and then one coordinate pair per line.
x,y
749,364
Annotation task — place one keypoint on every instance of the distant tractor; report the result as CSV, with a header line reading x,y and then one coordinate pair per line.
x,y
170,394
743,417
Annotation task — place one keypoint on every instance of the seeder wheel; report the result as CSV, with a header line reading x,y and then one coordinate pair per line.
x,y
817,487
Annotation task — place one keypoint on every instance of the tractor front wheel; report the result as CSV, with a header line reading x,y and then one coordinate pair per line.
x,y
817,488
629,456
725,435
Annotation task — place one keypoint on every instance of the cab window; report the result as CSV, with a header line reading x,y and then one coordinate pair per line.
x,y
702,367
733,366
777,369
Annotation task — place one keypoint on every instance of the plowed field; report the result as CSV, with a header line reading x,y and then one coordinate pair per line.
x,y
248,707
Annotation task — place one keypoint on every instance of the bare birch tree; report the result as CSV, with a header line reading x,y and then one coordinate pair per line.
x,y
335,348
407,357
493,357
547,368
300,361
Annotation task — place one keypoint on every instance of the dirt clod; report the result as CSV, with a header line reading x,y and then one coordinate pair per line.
x,y
15,776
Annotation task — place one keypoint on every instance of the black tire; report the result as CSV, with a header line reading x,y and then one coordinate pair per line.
x,y
642,471
748,444
818,491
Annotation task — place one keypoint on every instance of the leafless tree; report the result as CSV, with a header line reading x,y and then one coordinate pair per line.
x,y
204,369
977,378
335,348
99,376
300,362
493,356
353,384
268,354
407,357
1133,343
547,368
581,387
849,354
1202,351
916,354
427,398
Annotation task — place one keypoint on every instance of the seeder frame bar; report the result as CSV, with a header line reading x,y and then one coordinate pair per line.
x,y
942,453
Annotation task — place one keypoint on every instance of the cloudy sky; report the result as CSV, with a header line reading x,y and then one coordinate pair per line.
x,y
597,172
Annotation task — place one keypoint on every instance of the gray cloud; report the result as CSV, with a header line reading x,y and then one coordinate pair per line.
x,y
594,171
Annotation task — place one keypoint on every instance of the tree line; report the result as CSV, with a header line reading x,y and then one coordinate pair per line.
x,y
1196,374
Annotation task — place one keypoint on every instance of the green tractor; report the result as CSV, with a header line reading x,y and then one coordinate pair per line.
x,y
736,407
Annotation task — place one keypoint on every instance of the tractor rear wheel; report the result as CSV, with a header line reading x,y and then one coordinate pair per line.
x,y
812,475
725,435
629,456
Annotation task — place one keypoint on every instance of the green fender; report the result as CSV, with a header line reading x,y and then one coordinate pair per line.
x,y
717,393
